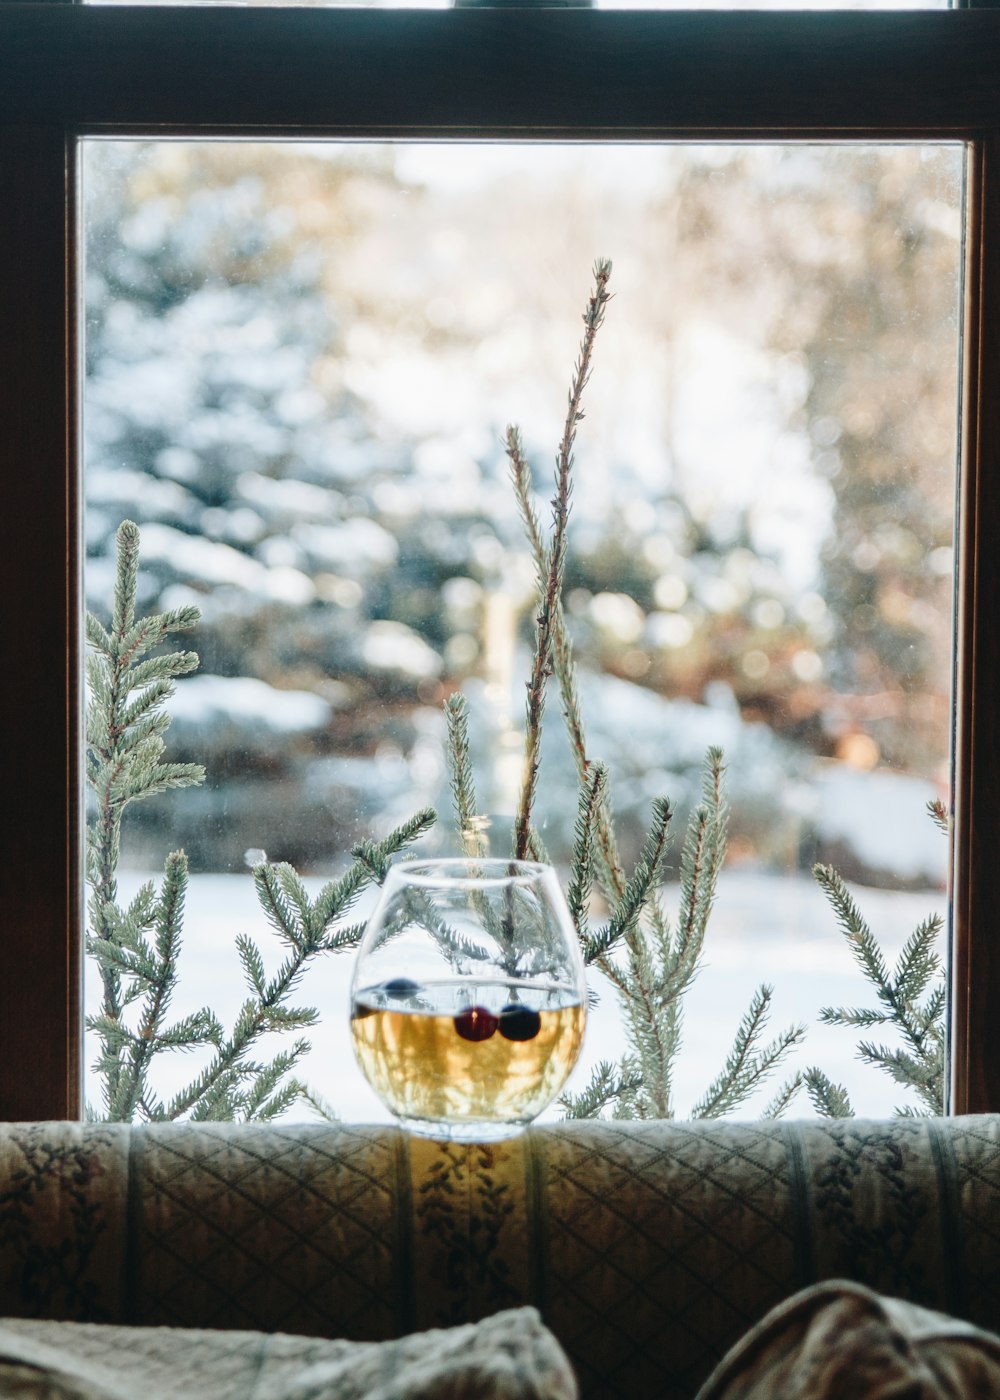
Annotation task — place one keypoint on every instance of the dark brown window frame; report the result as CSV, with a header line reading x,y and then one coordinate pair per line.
x,y
71,70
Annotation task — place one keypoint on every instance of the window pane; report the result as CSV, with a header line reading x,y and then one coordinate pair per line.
x,y
300,362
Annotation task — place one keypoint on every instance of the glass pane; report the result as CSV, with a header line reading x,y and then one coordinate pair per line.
x,y
300,364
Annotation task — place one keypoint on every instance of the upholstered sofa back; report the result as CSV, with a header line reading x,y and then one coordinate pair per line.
x,y
649,1248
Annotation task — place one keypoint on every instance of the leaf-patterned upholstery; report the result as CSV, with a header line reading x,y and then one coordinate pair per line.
x,y
649,1248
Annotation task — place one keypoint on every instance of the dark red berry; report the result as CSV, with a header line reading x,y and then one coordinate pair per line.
x,y
519,1022
475,1023
400,987
360,1011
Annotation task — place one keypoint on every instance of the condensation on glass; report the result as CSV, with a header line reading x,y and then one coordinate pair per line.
x,y
300,363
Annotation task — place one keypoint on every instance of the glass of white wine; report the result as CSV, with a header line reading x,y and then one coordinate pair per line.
x,y
468,1001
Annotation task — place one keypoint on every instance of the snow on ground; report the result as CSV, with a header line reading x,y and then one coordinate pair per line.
x,y
882,816
765,927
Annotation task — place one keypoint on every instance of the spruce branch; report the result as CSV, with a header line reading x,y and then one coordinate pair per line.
x,y
253,964
343,937
701,860
639,890
306,927
137,948
319,1105
279,1102
582,869
931,1014
649,966
463,786
536,848
863,945
376,856
95,635
272,1091
918,962
277,911
520,476
747,1063
784,1098
608,1085
125,764
193,1029
609,867
550,580
295,893
921,1073
828,1099
126,574
919,1064
860,1017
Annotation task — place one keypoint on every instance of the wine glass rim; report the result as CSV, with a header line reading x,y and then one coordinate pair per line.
x,y
469,870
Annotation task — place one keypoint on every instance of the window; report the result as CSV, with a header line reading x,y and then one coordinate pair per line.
x,y
300,360
73,71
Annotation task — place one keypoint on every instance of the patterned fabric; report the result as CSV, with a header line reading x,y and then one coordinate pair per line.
x,y
508,1357
839,1341
650,1248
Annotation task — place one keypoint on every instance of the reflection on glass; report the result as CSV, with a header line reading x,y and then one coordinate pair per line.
x,y
300,364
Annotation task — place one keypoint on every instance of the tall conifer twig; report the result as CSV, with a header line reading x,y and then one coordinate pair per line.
x,y
550,584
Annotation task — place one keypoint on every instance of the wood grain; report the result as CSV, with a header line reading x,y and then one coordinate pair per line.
x,y
503,71
40,877
976,873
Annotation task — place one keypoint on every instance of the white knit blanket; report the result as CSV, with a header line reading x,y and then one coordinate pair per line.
x,y
510,1356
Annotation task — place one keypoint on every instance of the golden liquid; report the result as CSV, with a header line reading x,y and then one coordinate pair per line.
x,y
419,1065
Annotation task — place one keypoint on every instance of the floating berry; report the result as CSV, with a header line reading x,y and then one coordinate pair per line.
x,y
475,1023
360,1011
400,987
519,1022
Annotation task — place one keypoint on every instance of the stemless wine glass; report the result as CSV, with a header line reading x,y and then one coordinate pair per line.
x,y
468,1000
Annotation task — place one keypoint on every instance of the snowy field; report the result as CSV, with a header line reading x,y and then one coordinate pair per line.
x,y
765,928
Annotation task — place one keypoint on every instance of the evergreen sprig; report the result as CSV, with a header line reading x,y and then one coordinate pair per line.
x,y
828,1099
137,947
748,1064
609,1085
582,874
470,824
551,566
609,868
784,1098
238,1086
638,892
650,963
919,1063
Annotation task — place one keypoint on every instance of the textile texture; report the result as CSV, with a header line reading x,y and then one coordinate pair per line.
x,y
509,1356
649,1248
840,1341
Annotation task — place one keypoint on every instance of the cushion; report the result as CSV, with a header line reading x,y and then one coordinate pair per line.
x,y
840,1341
510,1356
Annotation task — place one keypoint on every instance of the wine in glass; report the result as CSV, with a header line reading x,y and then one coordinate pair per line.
x,y
468,1001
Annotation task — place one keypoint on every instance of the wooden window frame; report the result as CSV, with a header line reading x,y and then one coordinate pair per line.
x,y
69,70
